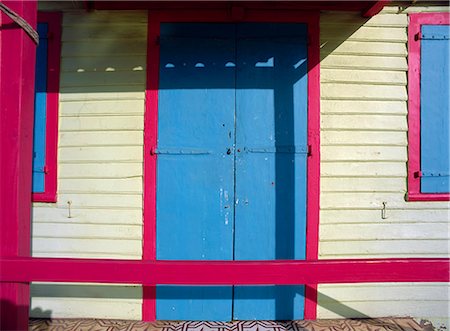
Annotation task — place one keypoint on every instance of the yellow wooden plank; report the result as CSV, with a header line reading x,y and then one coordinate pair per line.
x,y
109,47
97,79
364,153
96,31
363,200
102,63
382,308
379,248
102,154
363,169
383,231
101,108
111,215
98,201
363,138
101,17
87,231
363,216
357,184
364,122
338,91
363,77
386,291
118,94
102,123
365,62
60,245
101,138
363,107
366,33
122,309
100,170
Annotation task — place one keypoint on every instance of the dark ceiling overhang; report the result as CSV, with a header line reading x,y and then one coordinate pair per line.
x,y
365,8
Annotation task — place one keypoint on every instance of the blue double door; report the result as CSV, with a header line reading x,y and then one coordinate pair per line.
x,y
231,165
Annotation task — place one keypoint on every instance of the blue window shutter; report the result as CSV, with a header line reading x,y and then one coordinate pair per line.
x,y
434,113
40,105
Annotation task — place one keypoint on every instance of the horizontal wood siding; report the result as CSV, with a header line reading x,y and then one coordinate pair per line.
x,y
364,156
100,160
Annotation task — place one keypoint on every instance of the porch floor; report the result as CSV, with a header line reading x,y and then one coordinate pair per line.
x,y
376,324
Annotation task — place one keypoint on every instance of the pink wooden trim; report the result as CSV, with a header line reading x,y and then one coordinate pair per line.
x,y
310,302
150,143
54,20
266,5
313,182
17,58
374,8
415,23
313,189
287,272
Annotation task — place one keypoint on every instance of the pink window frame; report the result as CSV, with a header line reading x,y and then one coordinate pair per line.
x,y
414,30
53,20
155,18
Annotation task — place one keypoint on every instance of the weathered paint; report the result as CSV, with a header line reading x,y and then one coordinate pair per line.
x,y
248,139
17,58
100,158
271,152
415,105
40,106
364,158
435,111
46,108
195,176
377,157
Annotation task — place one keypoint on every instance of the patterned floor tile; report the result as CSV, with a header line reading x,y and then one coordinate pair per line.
x,y
378,324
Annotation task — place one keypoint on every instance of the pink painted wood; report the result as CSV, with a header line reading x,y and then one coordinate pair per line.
x,y
360,6
288,272
53,20
313,182
150,143
155,18
17,52
374,8
415,23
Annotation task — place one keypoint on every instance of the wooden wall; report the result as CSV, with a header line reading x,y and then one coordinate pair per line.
x,y
100,155
364,159
364,155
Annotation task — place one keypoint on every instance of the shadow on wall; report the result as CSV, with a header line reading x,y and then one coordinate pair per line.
x,y
134,292
115,65
9,314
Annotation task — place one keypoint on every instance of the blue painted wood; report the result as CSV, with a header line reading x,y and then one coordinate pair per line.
x,y
271,115
40,103
435,109
232,118
195,192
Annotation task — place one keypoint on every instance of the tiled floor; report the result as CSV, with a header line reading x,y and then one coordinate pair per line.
x,y
379,324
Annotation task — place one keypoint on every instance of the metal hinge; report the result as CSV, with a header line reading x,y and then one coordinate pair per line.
x,y
43,170
178,151
279,149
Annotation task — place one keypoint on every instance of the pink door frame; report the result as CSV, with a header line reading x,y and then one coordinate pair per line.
x,y
234,14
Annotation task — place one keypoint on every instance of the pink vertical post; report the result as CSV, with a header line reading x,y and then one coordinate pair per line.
x,y
17,58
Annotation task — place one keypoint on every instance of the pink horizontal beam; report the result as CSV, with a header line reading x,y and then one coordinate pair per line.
x,y
17,269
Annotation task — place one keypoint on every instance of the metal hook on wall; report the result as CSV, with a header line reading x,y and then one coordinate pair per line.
x,y
69,203
383,210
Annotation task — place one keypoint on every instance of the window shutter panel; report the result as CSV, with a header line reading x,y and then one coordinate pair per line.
x,y
434,114
40,104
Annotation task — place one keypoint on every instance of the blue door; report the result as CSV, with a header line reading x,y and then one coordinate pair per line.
x,y
231,169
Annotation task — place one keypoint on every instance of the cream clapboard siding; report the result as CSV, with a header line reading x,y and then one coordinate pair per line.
x,y
100,157
364,163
